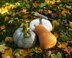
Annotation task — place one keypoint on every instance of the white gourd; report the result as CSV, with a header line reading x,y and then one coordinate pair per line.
x,y
46,23
21,41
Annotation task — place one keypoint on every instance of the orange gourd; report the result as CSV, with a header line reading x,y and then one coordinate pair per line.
x,y
46,38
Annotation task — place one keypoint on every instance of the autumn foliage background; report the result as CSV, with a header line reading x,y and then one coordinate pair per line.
x,y
13,13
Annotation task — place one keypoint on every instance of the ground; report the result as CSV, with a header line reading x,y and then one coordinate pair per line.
x,y
12,14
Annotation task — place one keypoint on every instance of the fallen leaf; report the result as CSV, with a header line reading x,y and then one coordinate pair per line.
x,y
6,18
19,13
54,15
12,6
59,55
55,24
70,24
56,34
8,39
35,4
37,49
3,48
24,10
0,10
50,2
49,11
68,50
4,10
53,56
68,7
58,0
17,52
43,4
48,54
64,12
23,52
2,27
17,4
62,45
8,53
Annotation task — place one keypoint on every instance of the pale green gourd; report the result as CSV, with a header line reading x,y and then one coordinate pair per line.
x,y
24,36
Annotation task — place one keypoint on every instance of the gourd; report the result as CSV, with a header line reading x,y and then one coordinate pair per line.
x,y
42,20
24,37
42,28
46,38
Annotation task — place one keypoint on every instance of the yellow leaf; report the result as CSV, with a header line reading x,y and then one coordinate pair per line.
x,y
49,11
64,12
35,4
4,10
50,2
2,27
3,48
56,34
6,57
70,24
0,10
6,18
24,10
59,45
58,0
8,7
37,49
8,39
23,52
8,53
12,6
62,45
17,4
55,24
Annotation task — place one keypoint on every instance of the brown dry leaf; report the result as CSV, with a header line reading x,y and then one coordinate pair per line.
x,y
8,53
54,15
68,50
8,39
20,14
2,27
23,52
62,45
3,48
70,24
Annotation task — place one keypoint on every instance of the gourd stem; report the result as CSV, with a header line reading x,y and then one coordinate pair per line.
x,y
26,30
40,20
40,15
